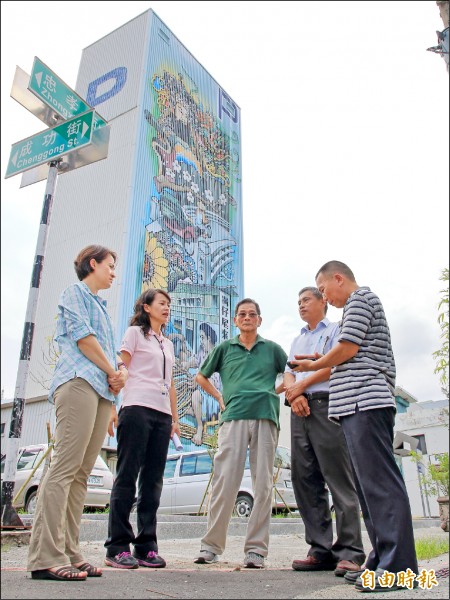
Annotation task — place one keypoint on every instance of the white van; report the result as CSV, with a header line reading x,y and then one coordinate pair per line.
x,y
186,490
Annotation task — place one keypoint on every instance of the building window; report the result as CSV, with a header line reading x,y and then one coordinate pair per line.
x,y
2,429
422,447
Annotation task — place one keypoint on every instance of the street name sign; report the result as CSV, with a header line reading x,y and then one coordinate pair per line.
x,y
51,100
54,92
53,143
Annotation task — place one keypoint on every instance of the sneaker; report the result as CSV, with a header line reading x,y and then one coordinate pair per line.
x,y
206,557
254,561
124,560
151,560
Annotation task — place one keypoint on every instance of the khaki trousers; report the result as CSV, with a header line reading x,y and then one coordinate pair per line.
x,y
261,436
82,418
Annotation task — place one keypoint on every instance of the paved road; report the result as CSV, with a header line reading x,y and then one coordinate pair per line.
x,y
226,579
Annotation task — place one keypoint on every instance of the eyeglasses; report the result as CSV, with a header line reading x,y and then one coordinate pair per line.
x,y
251,315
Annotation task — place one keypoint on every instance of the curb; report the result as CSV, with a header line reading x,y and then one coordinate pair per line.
x,y
94,527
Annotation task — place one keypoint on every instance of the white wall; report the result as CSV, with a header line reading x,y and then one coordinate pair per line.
x,y
423,418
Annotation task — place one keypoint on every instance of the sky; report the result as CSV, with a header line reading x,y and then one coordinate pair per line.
x,y
342,96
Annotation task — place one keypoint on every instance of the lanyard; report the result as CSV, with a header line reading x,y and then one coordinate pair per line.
x,y
161,345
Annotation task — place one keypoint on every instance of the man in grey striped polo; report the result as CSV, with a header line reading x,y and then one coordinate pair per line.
x,y
362,401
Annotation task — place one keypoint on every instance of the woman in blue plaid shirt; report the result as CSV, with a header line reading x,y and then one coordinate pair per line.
x,y
84,389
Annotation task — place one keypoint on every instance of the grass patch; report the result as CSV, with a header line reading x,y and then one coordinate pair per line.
x,y
427,548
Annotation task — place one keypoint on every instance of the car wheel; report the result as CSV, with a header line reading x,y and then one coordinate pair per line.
x,y
243,506
30,504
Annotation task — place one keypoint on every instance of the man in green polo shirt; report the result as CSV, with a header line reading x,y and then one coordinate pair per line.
x,y
248,366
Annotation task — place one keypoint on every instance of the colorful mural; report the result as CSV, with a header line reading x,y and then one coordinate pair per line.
x,y
192,237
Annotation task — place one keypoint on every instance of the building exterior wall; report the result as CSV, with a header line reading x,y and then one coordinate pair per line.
x,y
34,430
430,420
167,200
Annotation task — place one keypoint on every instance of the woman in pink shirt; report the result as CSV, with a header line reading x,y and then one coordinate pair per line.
x,y
147,420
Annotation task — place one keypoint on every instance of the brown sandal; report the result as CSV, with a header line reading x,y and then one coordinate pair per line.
x,y
61,574
90,570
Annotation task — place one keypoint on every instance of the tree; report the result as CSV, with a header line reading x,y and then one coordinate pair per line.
x,y
441,355
435,476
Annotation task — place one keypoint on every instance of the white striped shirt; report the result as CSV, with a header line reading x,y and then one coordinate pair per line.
x,y
368,379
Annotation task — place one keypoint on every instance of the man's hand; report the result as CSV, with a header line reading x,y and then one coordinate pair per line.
x,y
221,402
300,407
112,421
304,363
294,390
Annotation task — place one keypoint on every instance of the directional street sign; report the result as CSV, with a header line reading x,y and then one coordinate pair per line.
x,y
52,101
51,144
52,90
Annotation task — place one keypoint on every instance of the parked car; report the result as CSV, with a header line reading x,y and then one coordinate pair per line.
x,y
99,488
187,475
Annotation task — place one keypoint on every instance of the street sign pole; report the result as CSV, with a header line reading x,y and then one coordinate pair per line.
x,y
9,515
80,137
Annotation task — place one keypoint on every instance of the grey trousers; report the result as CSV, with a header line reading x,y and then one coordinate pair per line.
x,y
82,418
261,436
320,458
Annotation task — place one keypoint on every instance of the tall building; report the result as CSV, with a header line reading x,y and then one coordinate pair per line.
x,y
167,199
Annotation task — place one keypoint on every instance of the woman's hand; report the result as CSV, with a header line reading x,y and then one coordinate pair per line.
x,y
113,420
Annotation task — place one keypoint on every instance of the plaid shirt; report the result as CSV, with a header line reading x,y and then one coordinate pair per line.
x,y
82,313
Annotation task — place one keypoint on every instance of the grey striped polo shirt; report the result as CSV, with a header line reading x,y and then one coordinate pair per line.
x,y
368,379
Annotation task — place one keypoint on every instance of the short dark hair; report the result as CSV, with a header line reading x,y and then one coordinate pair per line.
x,y
142,318
247,301
336,266
315,292
209,332
82,261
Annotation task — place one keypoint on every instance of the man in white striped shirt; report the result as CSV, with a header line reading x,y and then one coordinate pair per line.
x,y
362,401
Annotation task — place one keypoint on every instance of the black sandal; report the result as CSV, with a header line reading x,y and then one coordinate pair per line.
x,y
89,569
61,574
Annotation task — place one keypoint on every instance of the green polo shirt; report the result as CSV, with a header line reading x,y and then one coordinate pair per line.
x,y
248,378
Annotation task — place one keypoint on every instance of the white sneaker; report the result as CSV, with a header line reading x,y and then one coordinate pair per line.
x,y
254,561
206,557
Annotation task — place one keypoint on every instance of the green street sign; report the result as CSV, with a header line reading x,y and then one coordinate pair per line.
x,y
56,94
50,144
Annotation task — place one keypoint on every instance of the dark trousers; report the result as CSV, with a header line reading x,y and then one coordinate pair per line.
x,y
143,436
319,457
381,489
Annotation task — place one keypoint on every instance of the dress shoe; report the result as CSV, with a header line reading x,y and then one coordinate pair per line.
x,y
313,564
344,566
351,576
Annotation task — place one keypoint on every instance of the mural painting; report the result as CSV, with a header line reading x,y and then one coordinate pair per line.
x,y
192,235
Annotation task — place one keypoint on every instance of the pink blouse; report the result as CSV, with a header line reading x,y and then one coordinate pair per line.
x,y
149,371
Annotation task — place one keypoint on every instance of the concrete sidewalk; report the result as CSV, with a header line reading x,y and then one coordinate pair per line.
x,y
226,579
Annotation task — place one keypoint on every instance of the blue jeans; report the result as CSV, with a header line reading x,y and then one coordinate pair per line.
x,y
143,436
